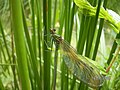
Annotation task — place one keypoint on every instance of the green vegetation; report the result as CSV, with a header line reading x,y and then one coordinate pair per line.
x,y
30,61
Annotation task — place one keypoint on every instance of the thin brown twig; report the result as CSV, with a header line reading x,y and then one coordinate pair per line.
x,y
113,60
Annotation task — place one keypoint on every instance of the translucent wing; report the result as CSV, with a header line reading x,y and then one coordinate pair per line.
x,y
81,67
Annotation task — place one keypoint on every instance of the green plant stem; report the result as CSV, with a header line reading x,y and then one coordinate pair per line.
x,y
39,30
54,16
1,85
14,62
92,32
20,44
62,17
55,66
3,35
71,21
32,54
99,33
66,37
33,25
46,54
83,33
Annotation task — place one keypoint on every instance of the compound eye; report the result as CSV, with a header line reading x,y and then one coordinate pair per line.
x,y
52,31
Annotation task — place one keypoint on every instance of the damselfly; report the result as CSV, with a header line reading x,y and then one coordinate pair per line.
x,y
82,67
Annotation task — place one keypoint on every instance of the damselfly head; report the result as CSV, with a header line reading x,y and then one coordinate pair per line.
x,y
52,31
56,38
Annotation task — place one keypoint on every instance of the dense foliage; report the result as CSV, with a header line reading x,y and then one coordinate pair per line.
x,y
30,61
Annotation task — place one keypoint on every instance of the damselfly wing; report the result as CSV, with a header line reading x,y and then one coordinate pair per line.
x,y
79,65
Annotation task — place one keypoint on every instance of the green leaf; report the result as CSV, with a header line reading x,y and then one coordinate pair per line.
x,y
87,9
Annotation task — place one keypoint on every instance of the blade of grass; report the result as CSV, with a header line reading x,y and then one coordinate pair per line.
x,y
39,30
72,12
16,86
54,14
46,55
49,18
55,66
49,14
1,85
99,33
67,37
4,39
62,18
8,53
20,44
83,33
32,54
92,32
33,26
70,28
33,23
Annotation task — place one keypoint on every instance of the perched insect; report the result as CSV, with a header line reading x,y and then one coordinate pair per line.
x,y
82,67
